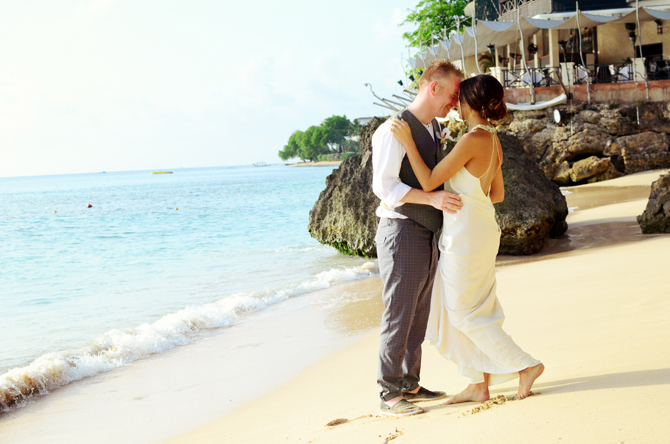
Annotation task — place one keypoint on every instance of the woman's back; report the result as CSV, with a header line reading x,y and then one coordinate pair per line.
x,y
487,158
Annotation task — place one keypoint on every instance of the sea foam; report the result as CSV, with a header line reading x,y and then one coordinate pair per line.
x,y
122,346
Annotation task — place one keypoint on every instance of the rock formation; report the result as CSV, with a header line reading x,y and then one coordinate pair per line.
x,y
656,217
534,208
620,142
344,215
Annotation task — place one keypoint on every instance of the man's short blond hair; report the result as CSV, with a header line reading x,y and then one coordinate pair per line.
x,y
439,70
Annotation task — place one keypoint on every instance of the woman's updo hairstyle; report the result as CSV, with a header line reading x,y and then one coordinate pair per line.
x,y
485,95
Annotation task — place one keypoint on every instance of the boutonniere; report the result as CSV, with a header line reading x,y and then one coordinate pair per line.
x,y
446,135
453,129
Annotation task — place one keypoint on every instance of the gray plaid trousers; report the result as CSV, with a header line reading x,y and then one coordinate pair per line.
x,y
408,256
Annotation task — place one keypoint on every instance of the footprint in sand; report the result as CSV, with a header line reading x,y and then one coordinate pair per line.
x,y
393,435
498,400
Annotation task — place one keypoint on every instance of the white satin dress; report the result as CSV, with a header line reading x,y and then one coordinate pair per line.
x,y
466,318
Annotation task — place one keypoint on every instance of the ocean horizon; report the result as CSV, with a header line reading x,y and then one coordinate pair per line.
x,y
157,261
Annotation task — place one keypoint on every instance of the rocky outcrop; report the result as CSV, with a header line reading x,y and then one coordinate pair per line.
x,y
344,216
610,173
644,151
606,131
589,167
534,208
656,217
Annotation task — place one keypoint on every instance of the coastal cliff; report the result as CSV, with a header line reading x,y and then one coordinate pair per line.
x,y
344,215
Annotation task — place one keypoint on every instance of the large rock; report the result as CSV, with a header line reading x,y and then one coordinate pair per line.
x,y
610,173
656,217
527,126
615,122
344,215
587,142
534,208
644,151
589,167
590,116
633,138
558,172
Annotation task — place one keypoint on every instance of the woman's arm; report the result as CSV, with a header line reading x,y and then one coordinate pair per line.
x,y
497,193
444,170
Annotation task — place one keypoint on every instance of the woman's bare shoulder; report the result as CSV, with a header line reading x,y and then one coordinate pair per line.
x,y
473,139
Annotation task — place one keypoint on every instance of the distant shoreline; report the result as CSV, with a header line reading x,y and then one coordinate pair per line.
x,y
315,164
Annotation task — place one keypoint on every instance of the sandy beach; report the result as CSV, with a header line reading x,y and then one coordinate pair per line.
x,y
593,306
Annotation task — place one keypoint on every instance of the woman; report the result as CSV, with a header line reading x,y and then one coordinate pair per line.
x,y
465,322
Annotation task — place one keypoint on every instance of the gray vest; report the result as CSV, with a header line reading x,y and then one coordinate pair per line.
x,y
426,215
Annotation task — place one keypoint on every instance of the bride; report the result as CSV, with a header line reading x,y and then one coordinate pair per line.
x,y
465,322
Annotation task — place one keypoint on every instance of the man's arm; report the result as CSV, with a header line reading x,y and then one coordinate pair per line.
x,y
442,200
387,155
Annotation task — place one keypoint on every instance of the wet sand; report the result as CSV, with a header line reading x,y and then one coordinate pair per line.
x,y
593,308
188,387
601,215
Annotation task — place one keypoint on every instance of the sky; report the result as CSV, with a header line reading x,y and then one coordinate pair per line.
x,y
121,85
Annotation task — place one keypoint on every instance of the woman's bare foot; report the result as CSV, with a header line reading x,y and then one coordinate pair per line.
x,y
474,392
526,379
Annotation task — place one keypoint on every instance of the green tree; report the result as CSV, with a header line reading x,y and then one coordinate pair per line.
x,y
335,129
292,147
312,144
432,18
334,134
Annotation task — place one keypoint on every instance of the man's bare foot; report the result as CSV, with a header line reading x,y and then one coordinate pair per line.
x,y
474,392
527,377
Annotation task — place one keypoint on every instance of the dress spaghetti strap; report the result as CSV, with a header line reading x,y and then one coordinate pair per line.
x,y
493,132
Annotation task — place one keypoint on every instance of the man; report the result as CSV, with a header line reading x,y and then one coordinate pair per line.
x,y
406,239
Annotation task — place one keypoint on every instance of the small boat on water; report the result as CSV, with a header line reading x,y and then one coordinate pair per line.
x,y
260,164
162,172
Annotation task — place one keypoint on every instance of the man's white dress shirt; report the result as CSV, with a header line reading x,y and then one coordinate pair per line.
x,y
387,156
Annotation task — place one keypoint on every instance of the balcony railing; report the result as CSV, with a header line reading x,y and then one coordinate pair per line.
x,y
595,73
520,78
658,70
603,73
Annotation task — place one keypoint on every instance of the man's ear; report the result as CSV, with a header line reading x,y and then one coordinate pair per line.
x,y
432,87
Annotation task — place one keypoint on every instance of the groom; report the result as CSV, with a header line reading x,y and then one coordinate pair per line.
x,y
406,239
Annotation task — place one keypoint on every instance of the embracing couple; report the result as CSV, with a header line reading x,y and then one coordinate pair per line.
x,y
443,290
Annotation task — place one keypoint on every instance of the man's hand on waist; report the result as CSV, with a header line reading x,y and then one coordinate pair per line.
x,y
442,200
445,201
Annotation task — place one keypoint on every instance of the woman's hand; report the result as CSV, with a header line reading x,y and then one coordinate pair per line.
x,y
400,129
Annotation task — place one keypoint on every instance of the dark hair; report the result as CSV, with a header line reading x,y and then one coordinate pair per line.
x,y
485,95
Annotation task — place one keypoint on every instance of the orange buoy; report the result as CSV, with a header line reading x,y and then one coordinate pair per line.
x,y
90,206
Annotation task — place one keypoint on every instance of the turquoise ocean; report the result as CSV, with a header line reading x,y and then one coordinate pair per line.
x,y
156,262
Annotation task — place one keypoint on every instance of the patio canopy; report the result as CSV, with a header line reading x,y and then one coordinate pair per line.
x,y
504,33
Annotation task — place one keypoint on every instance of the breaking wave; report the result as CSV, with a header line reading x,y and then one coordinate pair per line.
x,y
122,346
